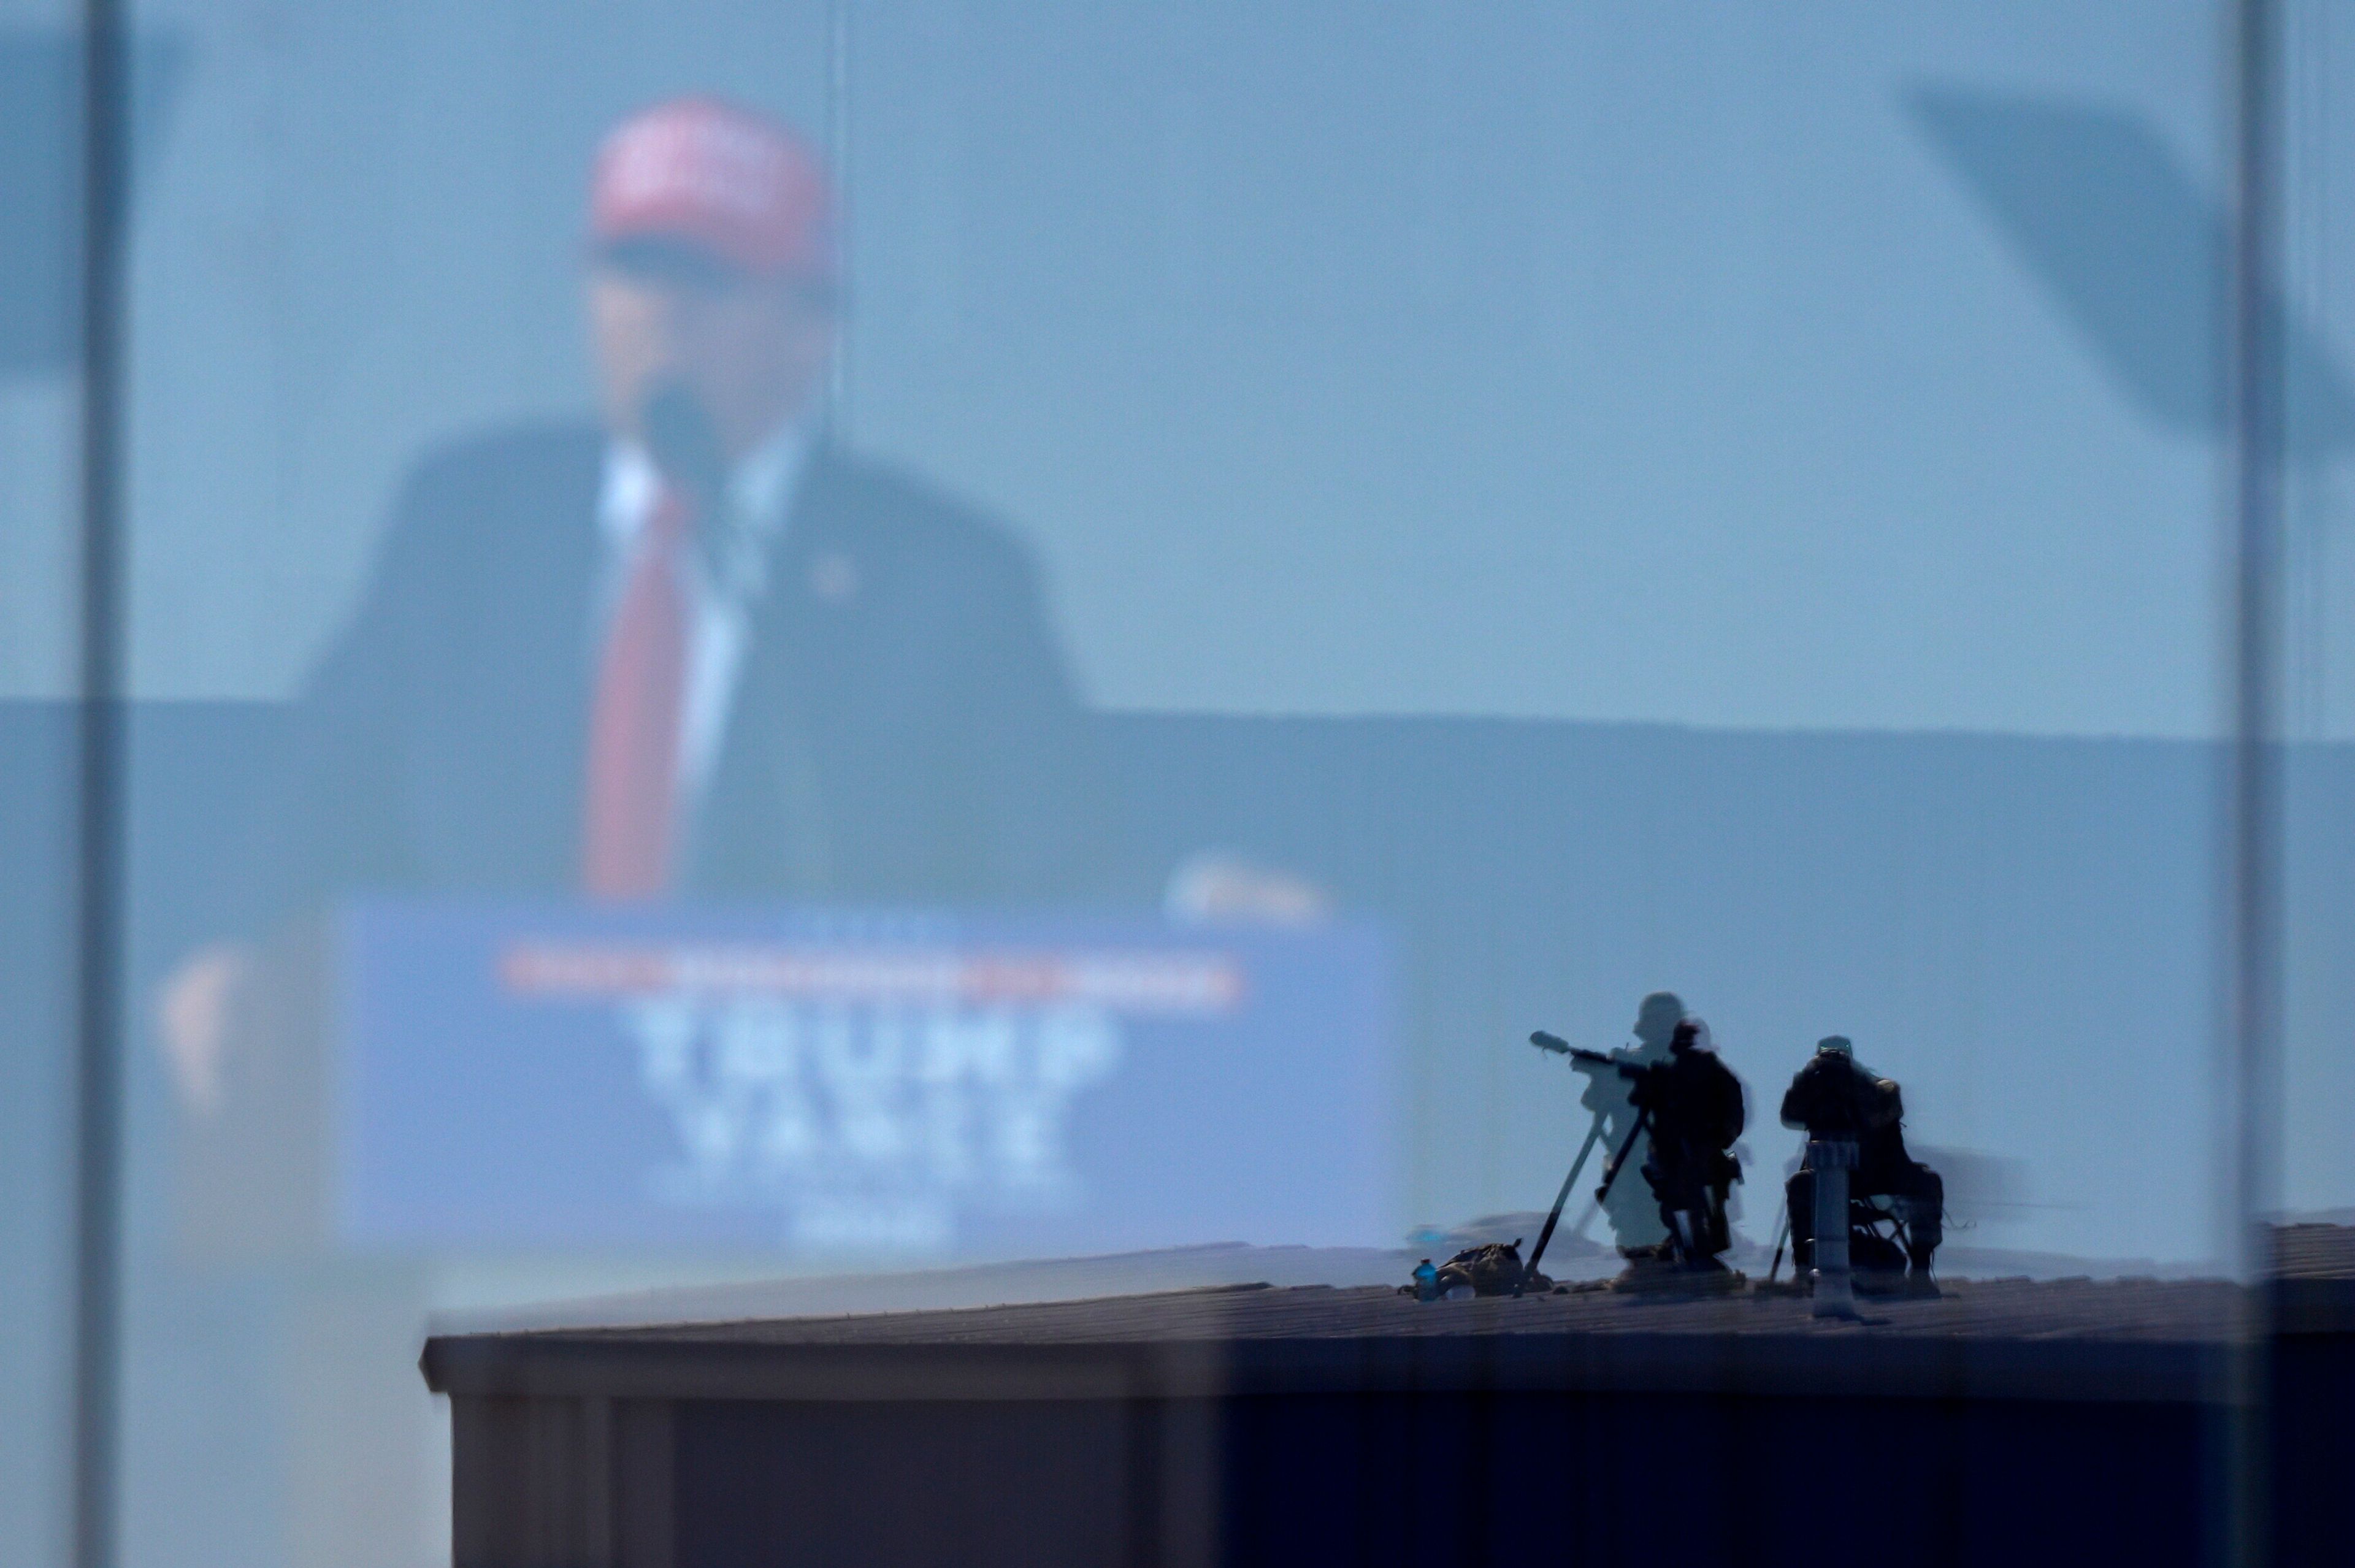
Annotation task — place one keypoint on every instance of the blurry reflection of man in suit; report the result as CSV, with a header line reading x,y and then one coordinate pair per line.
x,y
690,647
693,647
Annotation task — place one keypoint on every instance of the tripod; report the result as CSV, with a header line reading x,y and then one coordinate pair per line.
x,y
1602,1193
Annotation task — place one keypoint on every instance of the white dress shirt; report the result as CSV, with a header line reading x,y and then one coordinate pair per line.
x,y
724,577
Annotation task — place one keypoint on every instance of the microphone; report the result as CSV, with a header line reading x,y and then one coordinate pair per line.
x,y
685,445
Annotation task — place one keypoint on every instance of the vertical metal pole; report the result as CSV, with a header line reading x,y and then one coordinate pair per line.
x,y
2255,390
837,155
1833,1290
105,133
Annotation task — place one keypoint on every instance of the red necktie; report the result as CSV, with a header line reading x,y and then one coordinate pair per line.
x,y
631,799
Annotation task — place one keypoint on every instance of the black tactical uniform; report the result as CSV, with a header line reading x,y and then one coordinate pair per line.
x,y
1634,1222
1695,1102
1832,1097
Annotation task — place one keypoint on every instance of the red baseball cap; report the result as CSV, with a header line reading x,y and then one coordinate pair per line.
x,y
725,180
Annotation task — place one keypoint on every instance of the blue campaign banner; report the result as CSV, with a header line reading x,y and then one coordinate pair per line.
x,y
841,1084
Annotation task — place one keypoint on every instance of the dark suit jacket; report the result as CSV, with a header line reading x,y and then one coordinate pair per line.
x,y
905,730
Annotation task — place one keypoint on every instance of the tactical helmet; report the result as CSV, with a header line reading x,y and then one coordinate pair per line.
x,y
1836,1045
1692,1034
